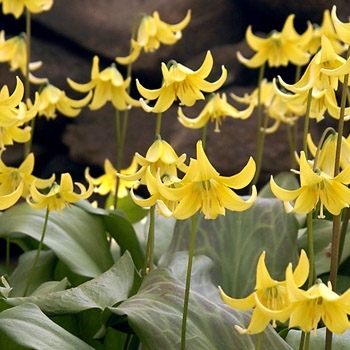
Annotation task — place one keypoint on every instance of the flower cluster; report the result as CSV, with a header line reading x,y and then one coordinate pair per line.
x,y
202,188
283,300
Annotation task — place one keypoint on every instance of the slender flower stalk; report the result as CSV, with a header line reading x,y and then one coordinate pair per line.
x,y
188,280
41,243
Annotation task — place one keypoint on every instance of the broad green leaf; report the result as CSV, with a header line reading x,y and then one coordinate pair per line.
x,y
155,312
105,290
43,272
235,241
120,228
77,237
28,326
317,341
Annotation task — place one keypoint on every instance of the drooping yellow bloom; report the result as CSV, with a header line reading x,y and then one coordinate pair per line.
x,y
182,83
202,188
14,114
14,52
270,297
161,160
15,182
59,195
107,85
279,109
316,186
107,182
216,109
16,7
279,48
325,29
316,303
318,78
53,99
342,29
151,33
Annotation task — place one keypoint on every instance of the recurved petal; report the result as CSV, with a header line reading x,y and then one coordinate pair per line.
x,y
8,200
147,93
301,271
243,178
282,194
263,278
204,70
239,304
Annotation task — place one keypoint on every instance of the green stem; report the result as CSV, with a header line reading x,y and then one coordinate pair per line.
x,y
258,341
260,132
204,135
149,256
158,124
307,122
310,240
41,243
188,281
28,144
344,228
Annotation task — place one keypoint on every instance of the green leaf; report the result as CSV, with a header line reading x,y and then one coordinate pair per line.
x,y
43,272
235,241
28,326
155,312
105,290
317,341
120,228
77,237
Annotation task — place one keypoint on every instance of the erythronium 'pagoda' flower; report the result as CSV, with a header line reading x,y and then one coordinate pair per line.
x,y
279,48
325,29
316,303
14,114
319,77
160,157
160,160
270,297
14,51
216,109
16,7
316,186
342,29
151,33
52,99
15,182
277,108
202,188
107,85
60,195
106,183
182,83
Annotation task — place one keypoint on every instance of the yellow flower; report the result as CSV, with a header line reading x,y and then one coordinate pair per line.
x,y
182,83
202,188
161,160
342,29
279,48
52,99
217,108
316,303
325,29
316,186
14,52
59,195
278,108
15,182
151,33
106,183
270,297
14,114
108,85
16,7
